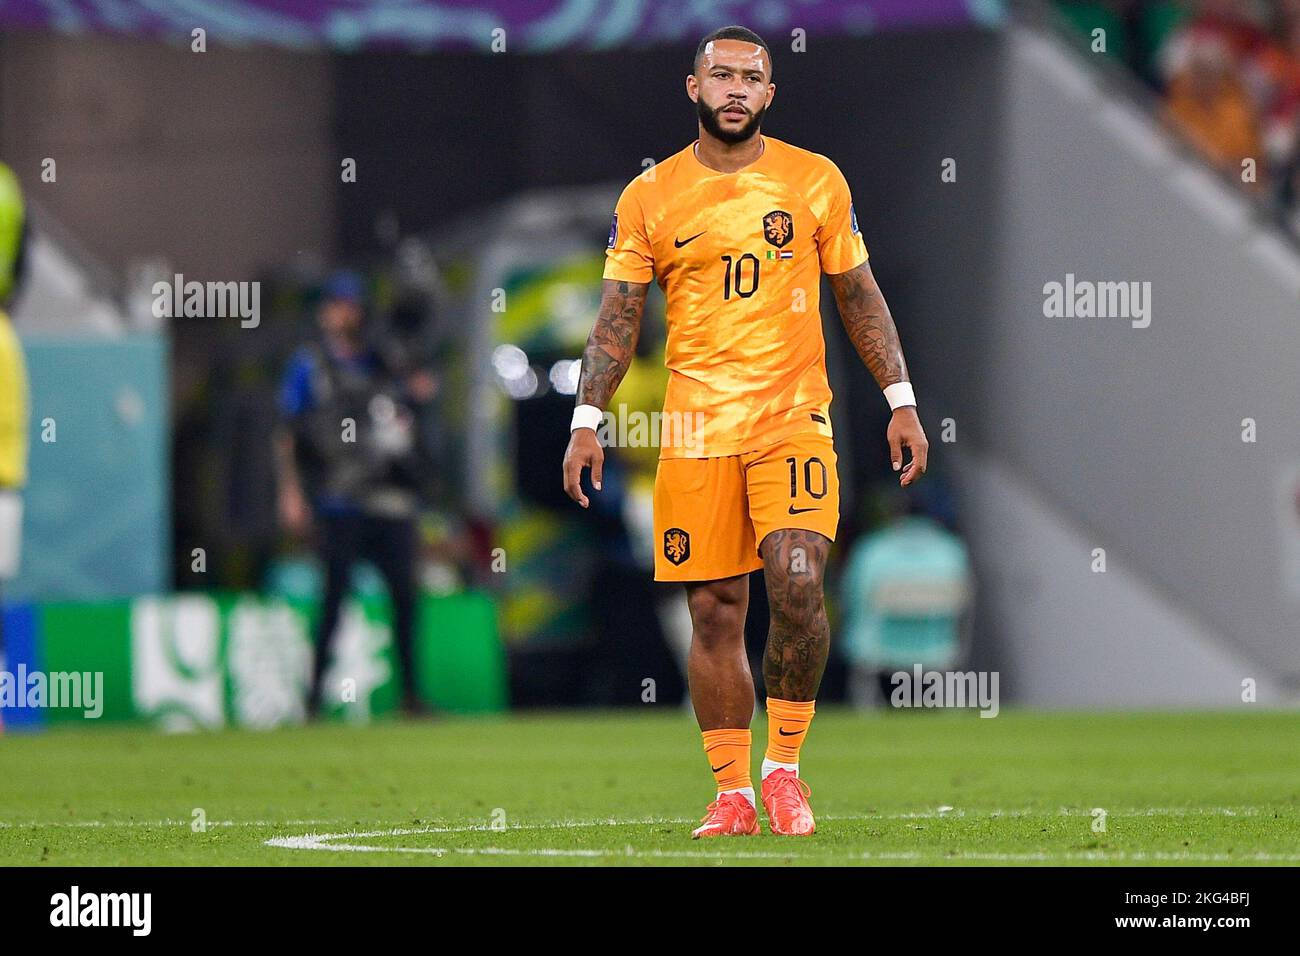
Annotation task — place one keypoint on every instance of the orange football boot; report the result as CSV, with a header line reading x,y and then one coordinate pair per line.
x,y
729,815
785,798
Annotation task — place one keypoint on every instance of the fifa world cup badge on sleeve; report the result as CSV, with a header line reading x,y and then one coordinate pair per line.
x,y
853,220
613,232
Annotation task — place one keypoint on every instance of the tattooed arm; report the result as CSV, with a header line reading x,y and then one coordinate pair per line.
x,y
605,361
867,320
612,342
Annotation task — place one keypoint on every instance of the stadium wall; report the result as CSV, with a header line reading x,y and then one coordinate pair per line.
x,y
1134,436
218,161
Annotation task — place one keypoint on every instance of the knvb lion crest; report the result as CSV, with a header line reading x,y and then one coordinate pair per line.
x,y
778,227
677,545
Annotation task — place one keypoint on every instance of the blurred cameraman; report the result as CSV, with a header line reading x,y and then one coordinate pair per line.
x,y
349,468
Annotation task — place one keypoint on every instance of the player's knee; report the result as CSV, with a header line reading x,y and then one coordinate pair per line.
x,y
796,602
716,618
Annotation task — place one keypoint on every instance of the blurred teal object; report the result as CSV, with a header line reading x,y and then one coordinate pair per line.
x,y
300,577
905,592
294,578
98,518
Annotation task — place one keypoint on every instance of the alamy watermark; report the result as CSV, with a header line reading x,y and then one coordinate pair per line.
x,y
75,690
75,908
922,688
637,429
1085,299
208,300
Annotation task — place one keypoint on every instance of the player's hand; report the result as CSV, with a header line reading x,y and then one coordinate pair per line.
x,y
295,516
584,451
422,386
905,431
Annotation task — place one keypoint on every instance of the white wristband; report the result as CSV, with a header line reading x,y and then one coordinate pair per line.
x,y
899,394
586,416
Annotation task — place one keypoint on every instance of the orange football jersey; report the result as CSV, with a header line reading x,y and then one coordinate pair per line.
x,y
739,257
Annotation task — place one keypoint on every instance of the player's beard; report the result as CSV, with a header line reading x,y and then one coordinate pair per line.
x,y
709,119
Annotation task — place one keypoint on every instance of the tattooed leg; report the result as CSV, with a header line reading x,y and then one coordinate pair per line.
x,y
799,637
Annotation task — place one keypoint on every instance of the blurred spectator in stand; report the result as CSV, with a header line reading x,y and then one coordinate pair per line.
x,y
350,468
1278,71
13,386
1208,102
1229,73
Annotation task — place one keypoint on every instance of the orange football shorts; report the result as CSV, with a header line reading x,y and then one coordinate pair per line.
x,y
711,514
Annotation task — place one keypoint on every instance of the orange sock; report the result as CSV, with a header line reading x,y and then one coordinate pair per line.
x,y
728,753
787,728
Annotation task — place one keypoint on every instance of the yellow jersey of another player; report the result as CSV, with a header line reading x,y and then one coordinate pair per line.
x,y
13,409
739,257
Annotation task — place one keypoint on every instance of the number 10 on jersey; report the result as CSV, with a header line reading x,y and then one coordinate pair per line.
x,y
741,275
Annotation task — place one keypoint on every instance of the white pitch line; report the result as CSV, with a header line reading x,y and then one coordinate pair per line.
x,y
324,841
158,824
914,815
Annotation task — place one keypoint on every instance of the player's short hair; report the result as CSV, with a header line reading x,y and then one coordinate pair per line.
x,y
734,32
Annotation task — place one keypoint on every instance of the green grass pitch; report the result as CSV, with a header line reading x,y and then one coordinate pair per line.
x,y
625,788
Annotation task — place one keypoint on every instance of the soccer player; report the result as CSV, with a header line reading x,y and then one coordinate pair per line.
x,y
737,229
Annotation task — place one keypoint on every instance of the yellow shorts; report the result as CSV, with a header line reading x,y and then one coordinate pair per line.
x,y
711,514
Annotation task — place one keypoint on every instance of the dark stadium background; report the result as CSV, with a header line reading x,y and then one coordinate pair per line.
x,y
225,165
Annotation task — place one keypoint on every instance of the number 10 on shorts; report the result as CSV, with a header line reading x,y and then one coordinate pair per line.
x,y
815,480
